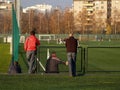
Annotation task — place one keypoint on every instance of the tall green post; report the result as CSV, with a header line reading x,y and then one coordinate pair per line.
x,y
15,35
15,45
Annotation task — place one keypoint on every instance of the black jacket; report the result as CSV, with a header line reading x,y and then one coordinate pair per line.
x,y
71,44
52,65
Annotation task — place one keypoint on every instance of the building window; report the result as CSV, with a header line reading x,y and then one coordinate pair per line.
x,y
102,7
102,2
97,7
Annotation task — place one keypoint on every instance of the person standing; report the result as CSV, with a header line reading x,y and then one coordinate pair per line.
x,y
71,48
30,46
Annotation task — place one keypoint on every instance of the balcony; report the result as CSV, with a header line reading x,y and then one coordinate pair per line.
x,y
90,9
89,4
3,7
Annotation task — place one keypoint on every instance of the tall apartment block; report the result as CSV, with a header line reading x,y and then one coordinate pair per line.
x,y
104,10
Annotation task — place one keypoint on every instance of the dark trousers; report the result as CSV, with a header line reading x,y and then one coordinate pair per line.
x,y
72,63
31,57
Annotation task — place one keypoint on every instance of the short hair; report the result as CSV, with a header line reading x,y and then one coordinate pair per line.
x,y
32,32
53,52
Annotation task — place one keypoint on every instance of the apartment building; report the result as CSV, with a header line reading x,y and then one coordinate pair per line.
x,y
5,5
104,10
5,15
40,8
115,13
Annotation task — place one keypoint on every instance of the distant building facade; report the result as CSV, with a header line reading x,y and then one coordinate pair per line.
x,y
106,10
39,8
5,15
5,5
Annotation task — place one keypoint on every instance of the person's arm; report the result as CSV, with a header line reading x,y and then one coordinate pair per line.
x,y
61,62
37,42
26,44
65,63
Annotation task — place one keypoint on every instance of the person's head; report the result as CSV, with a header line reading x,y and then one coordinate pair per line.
x,y
53,54
70,34
32,32
15,63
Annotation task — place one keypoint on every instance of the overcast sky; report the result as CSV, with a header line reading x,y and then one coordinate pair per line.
x,y
61,3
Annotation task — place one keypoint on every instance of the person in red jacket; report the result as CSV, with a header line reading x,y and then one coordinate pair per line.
x,y
30,46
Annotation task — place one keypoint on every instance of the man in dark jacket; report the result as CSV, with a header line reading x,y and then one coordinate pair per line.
x,y
52,64
71,48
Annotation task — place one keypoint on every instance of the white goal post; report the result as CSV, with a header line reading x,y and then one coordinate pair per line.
x,y
46,37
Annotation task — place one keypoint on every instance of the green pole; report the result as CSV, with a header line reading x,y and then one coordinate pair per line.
x,y
15,35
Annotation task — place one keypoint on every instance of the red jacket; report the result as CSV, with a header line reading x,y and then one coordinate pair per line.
x,y
31,43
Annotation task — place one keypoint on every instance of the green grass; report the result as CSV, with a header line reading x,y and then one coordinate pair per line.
x,y
60,82
103,60
5,58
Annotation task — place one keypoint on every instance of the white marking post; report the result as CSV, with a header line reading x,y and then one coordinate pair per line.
x,y
41,64
48,53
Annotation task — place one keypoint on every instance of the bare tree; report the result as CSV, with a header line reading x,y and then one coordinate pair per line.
x,y
81,21
115,20
1,22
68,21
54,21
99,22
25,23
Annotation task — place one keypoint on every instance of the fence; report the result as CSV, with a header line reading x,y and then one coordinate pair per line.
x,y
49,37
44,52
89,59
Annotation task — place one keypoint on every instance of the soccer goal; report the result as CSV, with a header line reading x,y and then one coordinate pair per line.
x,y
46,37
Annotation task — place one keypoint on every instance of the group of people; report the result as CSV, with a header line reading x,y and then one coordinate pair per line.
x,y
30,46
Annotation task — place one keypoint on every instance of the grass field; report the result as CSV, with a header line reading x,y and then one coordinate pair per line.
x,y
103,71
5,58
60,82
